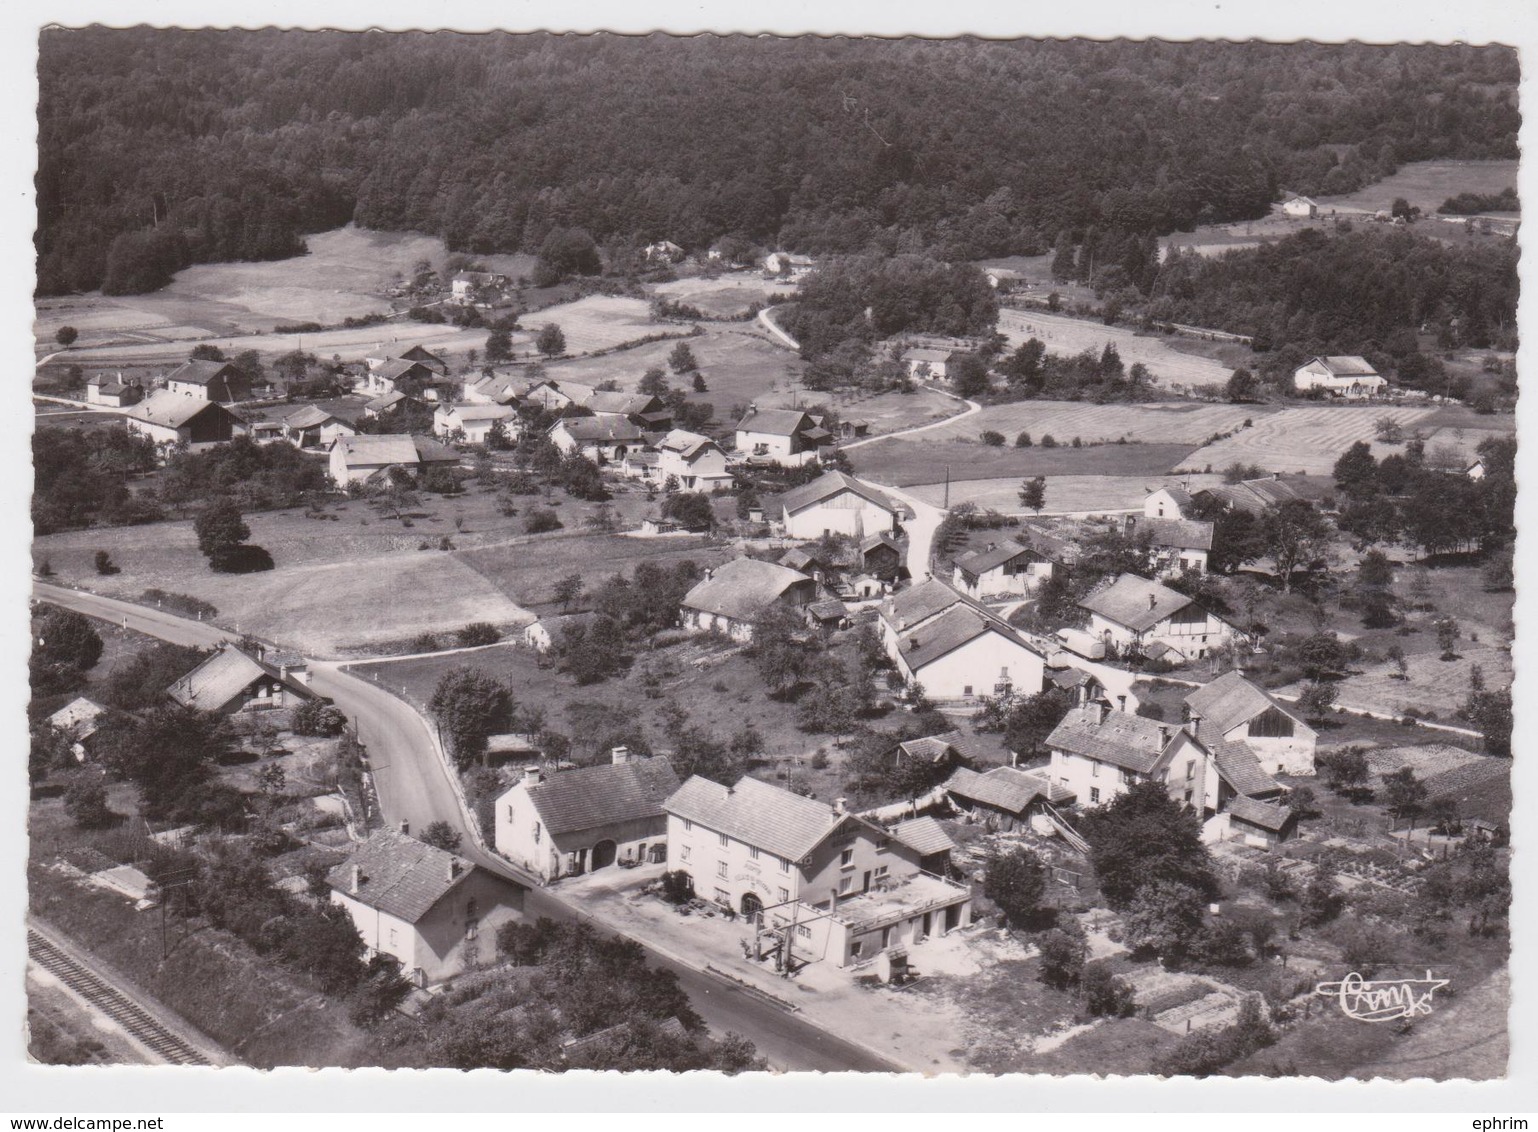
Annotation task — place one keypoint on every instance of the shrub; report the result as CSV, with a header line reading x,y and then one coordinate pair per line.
x,y
1105,995
86,803
241,558
104,563
1049,441
478,633
316,717
180,603
540,520
1062,955
677,886
992,439
1023,440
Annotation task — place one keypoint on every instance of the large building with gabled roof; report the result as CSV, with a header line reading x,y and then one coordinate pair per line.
x,y
836,503
1340,375
1241,711
1140,617
209,381
172,418
817,882
958,649
780,436
232,681
732,597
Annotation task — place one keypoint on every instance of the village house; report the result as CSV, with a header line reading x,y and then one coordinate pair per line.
x,y
472,286
928,362
386,404
783,436
473,423
1476,471
1178,545
836,503
1347,376
414,353
1139,617
945,751
732,597
409,376
209,381
1099,753
1003,279
493,390
232,682
955,648
357,459
553,396
1241,711
173,418
603,440
787,266
314,427
583,820
1263,825
1254,496
1300,208
819,883
431,910
640,409
1169,503
78,722
663,251
112,392
1015,566
695,461
1005,797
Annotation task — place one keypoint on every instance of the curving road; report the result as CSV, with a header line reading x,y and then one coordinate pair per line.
x,y
413,785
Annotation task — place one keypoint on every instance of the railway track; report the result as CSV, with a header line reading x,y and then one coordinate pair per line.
x,y
113,1003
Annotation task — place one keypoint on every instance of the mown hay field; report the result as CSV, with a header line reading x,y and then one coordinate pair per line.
x,y
1170,368
1307,439
1163,422
725,296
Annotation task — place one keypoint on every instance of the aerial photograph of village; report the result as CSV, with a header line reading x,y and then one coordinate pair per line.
x,y
953,556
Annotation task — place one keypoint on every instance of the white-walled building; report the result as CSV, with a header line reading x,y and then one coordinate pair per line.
x,y
1178,544
1168,503
603,440
173,418
837,503
354,459
733,596
957,649
1015,566
695,461
582,820
837,887
1240,711
474,421
1300,208
1347,376
209,381
783,436
1136,615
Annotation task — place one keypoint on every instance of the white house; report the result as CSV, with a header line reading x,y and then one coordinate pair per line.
x,y
586,819
602,440
493,390
818,884
1300,207
788,266
643,409
115,393
1240,711
732,597
405,375
314,427
1476,470
957,649
209,381
1178,544
1347,376
1098,753
1141,617
174,418
837,503
1003,279
467,286
663,251
433,911
784,436
1168,503
1014,566
354,459
925,361
474,422
695,461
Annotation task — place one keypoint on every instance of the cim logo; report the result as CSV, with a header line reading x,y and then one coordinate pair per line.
x,y
1384,1001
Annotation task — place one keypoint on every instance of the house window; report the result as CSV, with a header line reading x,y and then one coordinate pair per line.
x,y
394,939
1094,768
880,873
1188,797
855,948
688,825
721,869
683,853
784,864
967,691
536,833
752,852
1190,769
472,928
509,815
784,896
846,859
1094,794
886,936
723,839
883,845
723,897
844,885
803,932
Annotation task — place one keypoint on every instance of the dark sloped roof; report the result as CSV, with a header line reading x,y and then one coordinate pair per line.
x,y
1347,365
1122,739
979,562
740,589
1231,700
1126,602
687,444
1237,763
1179,496
1184,534
830,610
603,795
829,484
401,876
377,448
945,634
203,372
310,416
173,410
1003,788
599,429
1264,814
756,813
774,422
924,835
221,677
915,604
429,451
623,404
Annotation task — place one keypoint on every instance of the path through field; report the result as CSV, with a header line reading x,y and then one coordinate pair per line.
x,y
1066,336
1305,440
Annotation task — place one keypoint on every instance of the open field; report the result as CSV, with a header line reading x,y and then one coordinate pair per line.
x,y
1171,369
722,297
1427,184
600,322
1164,422
918,460
1304,439
1070,495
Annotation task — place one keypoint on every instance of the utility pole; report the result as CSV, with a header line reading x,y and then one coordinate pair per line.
x,y
947,487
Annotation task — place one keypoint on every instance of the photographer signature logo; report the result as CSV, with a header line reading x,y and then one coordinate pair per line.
x,y
1382,1001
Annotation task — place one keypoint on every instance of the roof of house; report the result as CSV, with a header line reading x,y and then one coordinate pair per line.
x,y
1123,739
385,401
687,444
924,835
392,369
429,451
1297,198
593,796
621,404
223,676
830,484
476,412
756,813
1183,534
741,588
1264,814
1004,788
917,603
401,876
79,717
500,389
1178,495
310,416
979,562
799,558
774,422
1345,365
640,457
925,354
202,372
1238,764
1231,700
1253,495
830,610
598,429
1048,545
173,410
376,448
1138,603
948,632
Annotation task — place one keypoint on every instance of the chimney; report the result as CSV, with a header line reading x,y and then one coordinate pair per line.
x,y
840,806
1121,703
531,776
1164,736
454,868
619,756
833,907
1102,709
283,672
355,882
993,546
1153,601
405,826
1083,694
1195,725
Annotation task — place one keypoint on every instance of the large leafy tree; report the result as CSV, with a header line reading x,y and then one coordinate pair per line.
x,y
1017,882
1142,837
470,706
1296,536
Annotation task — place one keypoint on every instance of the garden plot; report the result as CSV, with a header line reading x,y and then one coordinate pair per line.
x,y
726,296
1171,369
1428,761
1307,440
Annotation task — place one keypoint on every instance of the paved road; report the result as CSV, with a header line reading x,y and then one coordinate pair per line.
x,y
413,784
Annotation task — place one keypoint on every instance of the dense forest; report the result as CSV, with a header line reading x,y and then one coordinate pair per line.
x,y
164,148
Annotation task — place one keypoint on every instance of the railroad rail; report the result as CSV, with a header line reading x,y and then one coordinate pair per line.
x,y
117,1006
